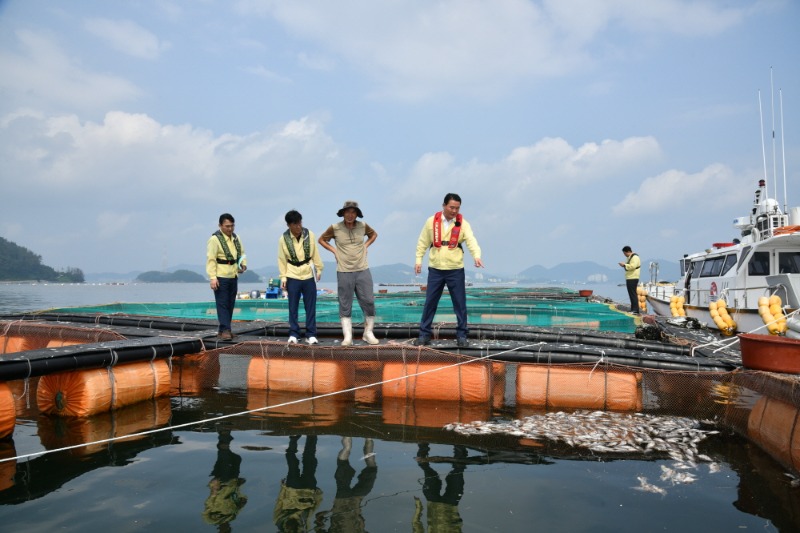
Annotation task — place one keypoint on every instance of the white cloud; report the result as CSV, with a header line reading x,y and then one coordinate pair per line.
x,y
418,49
532,175
714,186
127,37
42,76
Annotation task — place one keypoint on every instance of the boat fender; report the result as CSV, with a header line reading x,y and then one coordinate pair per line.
x,y
719,314
771,312
642,296
722,309
676,306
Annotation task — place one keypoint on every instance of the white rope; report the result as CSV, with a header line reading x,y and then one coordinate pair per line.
x,y
250,411
723,343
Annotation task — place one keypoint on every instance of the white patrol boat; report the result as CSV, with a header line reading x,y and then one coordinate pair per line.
x,y
756,277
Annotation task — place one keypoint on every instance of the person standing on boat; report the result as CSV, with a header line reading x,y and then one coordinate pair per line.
x,y
633,267
298,257
225,260
352,270
443,234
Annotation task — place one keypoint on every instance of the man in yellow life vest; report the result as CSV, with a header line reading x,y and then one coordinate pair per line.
x,y
297,253
443,234
632,266
225,260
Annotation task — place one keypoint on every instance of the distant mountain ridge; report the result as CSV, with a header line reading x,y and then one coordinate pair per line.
x,y
580,272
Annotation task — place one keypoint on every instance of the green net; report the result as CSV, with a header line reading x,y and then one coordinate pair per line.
x,y
542,307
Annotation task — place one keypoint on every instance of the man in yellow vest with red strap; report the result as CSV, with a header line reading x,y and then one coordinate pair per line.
x,y
443,234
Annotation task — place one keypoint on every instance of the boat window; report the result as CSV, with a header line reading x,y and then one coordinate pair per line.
x,y
730,260
745,252
716,270
759,264
789,262
711,267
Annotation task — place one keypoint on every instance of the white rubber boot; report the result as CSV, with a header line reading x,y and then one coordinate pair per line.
x,y
347,330
369,323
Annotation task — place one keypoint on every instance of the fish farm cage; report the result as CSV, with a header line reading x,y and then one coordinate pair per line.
x,y
545,307
92,375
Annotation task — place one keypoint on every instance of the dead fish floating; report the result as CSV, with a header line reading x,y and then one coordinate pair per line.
x,y
606,432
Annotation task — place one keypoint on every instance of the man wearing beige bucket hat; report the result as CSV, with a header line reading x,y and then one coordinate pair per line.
x,y
352,237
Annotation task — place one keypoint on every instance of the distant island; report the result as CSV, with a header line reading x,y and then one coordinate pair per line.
x,y
20,264
187,276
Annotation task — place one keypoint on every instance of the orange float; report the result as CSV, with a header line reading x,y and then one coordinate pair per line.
x,y
88,392
471,382
300,375
772,425
578,388
8,411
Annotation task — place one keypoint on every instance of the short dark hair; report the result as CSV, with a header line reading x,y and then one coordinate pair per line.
x,y
451,196
626,249
293,217
226,216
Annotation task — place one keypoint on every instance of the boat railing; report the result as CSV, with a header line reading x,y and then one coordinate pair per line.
x,y
662,290
737,297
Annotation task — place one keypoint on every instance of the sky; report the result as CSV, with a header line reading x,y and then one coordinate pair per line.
x,y
569,128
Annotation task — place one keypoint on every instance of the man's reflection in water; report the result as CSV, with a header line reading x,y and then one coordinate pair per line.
x,y
225,500
346,514
442,507
299,496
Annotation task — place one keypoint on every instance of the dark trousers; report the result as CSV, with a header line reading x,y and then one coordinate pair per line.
x,y
225,296
456,285
307,288
631,284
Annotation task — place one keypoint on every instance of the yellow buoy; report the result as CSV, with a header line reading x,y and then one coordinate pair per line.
x,y
772,314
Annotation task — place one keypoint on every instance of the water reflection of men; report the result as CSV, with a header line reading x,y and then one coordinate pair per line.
x,y
225,500
346,514
442,506
299,496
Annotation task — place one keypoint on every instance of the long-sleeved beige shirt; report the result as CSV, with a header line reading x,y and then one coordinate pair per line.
x,y
446,258
303,271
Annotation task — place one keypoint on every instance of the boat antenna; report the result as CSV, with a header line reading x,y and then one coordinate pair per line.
x,y
763,149
774,158
783,155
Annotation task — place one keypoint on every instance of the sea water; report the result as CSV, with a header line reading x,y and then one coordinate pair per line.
x,y
16,297
202,472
